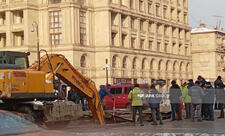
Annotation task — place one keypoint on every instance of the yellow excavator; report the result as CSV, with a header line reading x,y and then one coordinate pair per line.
x,y
21,83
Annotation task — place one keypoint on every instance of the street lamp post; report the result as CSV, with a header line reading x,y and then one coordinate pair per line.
x,y
35,26
106,70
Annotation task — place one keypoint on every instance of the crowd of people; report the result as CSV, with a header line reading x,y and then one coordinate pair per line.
x,y
198,98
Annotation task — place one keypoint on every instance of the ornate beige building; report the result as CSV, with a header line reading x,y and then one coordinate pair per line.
x,y
142,39
208,52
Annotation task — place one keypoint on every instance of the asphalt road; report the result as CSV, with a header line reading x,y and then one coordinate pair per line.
x,y
13,124
88,128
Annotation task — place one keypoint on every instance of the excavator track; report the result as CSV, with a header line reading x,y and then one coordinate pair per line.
x,y
57,65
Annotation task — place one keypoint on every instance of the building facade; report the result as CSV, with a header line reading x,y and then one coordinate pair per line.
x,y
208,52
141,39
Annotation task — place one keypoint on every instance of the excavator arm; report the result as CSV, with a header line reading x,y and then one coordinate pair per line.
x,y
57,65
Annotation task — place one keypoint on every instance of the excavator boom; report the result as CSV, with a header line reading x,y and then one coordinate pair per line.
x,y
57,65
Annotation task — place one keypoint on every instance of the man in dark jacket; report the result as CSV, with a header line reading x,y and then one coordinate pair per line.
x,y
196,93
209,101
103,92
220,95
175,96
154,98
190,83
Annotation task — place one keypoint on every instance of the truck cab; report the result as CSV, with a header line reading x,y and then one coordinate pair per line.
x,y
14,60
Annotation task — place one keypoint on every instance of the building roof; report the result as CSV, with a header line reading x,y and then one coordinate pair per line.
x,y
205,30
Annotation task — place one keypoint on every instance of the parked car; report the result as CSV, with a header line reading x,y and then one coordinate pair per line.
x,y
120,95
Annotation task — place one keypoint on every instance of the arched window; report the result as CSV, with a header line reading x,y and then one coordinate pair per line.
x,y
160,65
153,64
143,65
174,66
188,68
114,65
167,65
125,62
134,65
83,61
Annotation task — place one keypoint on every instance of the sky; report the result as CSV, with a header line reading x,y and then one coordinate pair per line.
x,y
207,12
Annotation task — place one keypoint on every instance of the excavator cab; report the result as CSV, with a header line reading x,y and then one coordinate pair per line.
x,y
14,60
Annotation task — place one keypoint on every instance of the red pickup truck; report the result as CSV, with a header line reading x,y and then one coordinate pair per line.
x,y
120,95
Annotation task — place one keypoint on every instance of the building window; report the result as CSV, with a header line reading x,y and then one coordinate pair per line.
x,y
114,62
2,18
133,40
55,1
158,29
185,18
18,17
113,18
150,45
83,64
158,46
150,27
113,39
123,21
186,51
173,48
3,40
55,27
165,48
178,16
165,12
134,65
123,40
132,4
166,31
174,32
149,8
83,61
125,62
141,5
180,45
157,10
172,13
142,25
18,38
83,35
142,44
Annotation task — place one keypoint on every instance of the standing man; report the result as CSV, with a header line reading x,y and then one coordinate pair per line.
x,y
209,99
174,96
154,98
220,95
137,96
196,93
186,99
103,92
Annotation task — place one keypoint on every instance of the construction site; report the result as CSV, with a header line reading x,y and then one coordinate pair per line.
x,y
35,96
